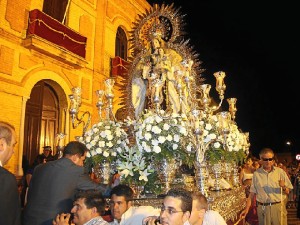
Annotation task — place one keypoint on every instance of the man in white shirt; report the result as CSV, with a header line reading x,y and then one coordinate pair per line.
x,y
122,210
201,215
176,209
270,185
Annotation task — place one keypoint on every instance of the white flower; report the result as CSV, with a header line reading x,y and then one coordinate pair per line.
x,y
105,140
155,142
156,149
93,153
105,153
156,130
88,139
148,127
101,144
161,139
109,144
144,175
169,138
217,145
163,135
148,136
109,137
103,134
166,126
183,130
98,150
208,126
88,154
126,172
189,147
133,167
176,138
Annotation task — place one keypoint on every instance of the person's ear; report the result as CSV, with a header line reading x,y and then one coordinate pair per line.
x,y
201,213
2,144
129,203
94,210
187,215
75,158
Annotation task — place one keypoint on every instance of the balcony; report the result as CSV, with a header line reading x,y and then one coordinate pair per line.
x,y
51,37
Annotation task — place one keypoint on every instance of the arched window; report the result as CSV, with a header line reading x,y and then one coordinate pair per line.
x,y
121,44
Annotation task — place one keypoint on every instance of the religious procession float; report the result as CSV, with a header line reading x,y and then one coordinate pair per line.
x,y
168,132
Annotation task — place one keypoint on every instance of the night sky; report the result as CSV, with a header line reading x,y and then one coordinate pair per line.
x,y
254,43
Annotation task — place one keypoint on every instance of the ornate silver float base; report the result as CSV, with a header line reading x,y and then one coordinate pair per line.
x,y
217,174
201,177
166,170
103,172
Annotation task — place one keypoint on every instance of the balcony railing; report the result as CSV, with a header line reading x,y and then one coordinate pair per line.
x,y
44,26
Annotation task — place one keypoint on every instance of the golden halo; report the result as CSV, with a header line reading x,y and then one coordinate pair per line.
x,y
164,21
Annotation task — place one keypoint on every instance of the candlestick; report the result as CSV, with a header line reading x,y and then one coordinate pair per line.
x,y
232,107
220,85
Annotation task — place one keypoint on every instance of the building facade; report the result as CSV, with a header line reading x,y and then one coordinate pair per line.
x,y
46,49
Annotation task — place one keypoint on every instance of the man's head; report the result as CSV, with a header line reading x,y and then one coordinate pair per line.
x,y
7,141
87,205
120,200
176,208
267,158
47,150
75,151
200,206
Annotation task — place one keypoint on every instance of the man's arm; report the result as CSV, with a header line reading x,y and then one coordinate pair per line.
x,y
248,205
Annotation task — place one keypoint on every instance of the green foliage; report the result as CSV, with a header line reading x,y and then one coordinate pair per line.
x,y
214,155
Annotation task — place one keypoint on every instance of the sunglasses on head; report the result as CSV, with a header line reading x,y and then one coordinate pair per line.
x,y
267,159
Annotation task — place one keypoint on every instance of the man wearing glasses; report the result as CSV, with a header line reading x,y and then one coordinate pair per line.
x,y
271,186
176,209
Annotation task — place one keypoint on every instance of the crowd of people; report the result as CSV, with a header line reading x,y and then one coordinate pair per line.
x,y
61,193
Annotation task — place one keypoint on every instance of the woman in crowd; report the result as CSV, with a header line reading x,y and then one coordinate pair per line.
x,y
246,175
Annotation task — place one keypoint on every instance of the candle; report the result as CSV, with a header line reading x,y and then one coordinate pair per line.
x,y
220,85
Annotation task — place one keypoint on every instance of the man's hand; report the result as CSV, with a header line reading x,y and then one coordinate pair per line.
x,y
62,219
282,183
151,220
243,214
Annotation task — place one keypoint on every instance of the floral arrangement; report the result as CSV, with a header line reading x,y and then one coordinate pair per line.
x,y
105,140
133,167
234,140
209,125
160,136
236,144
